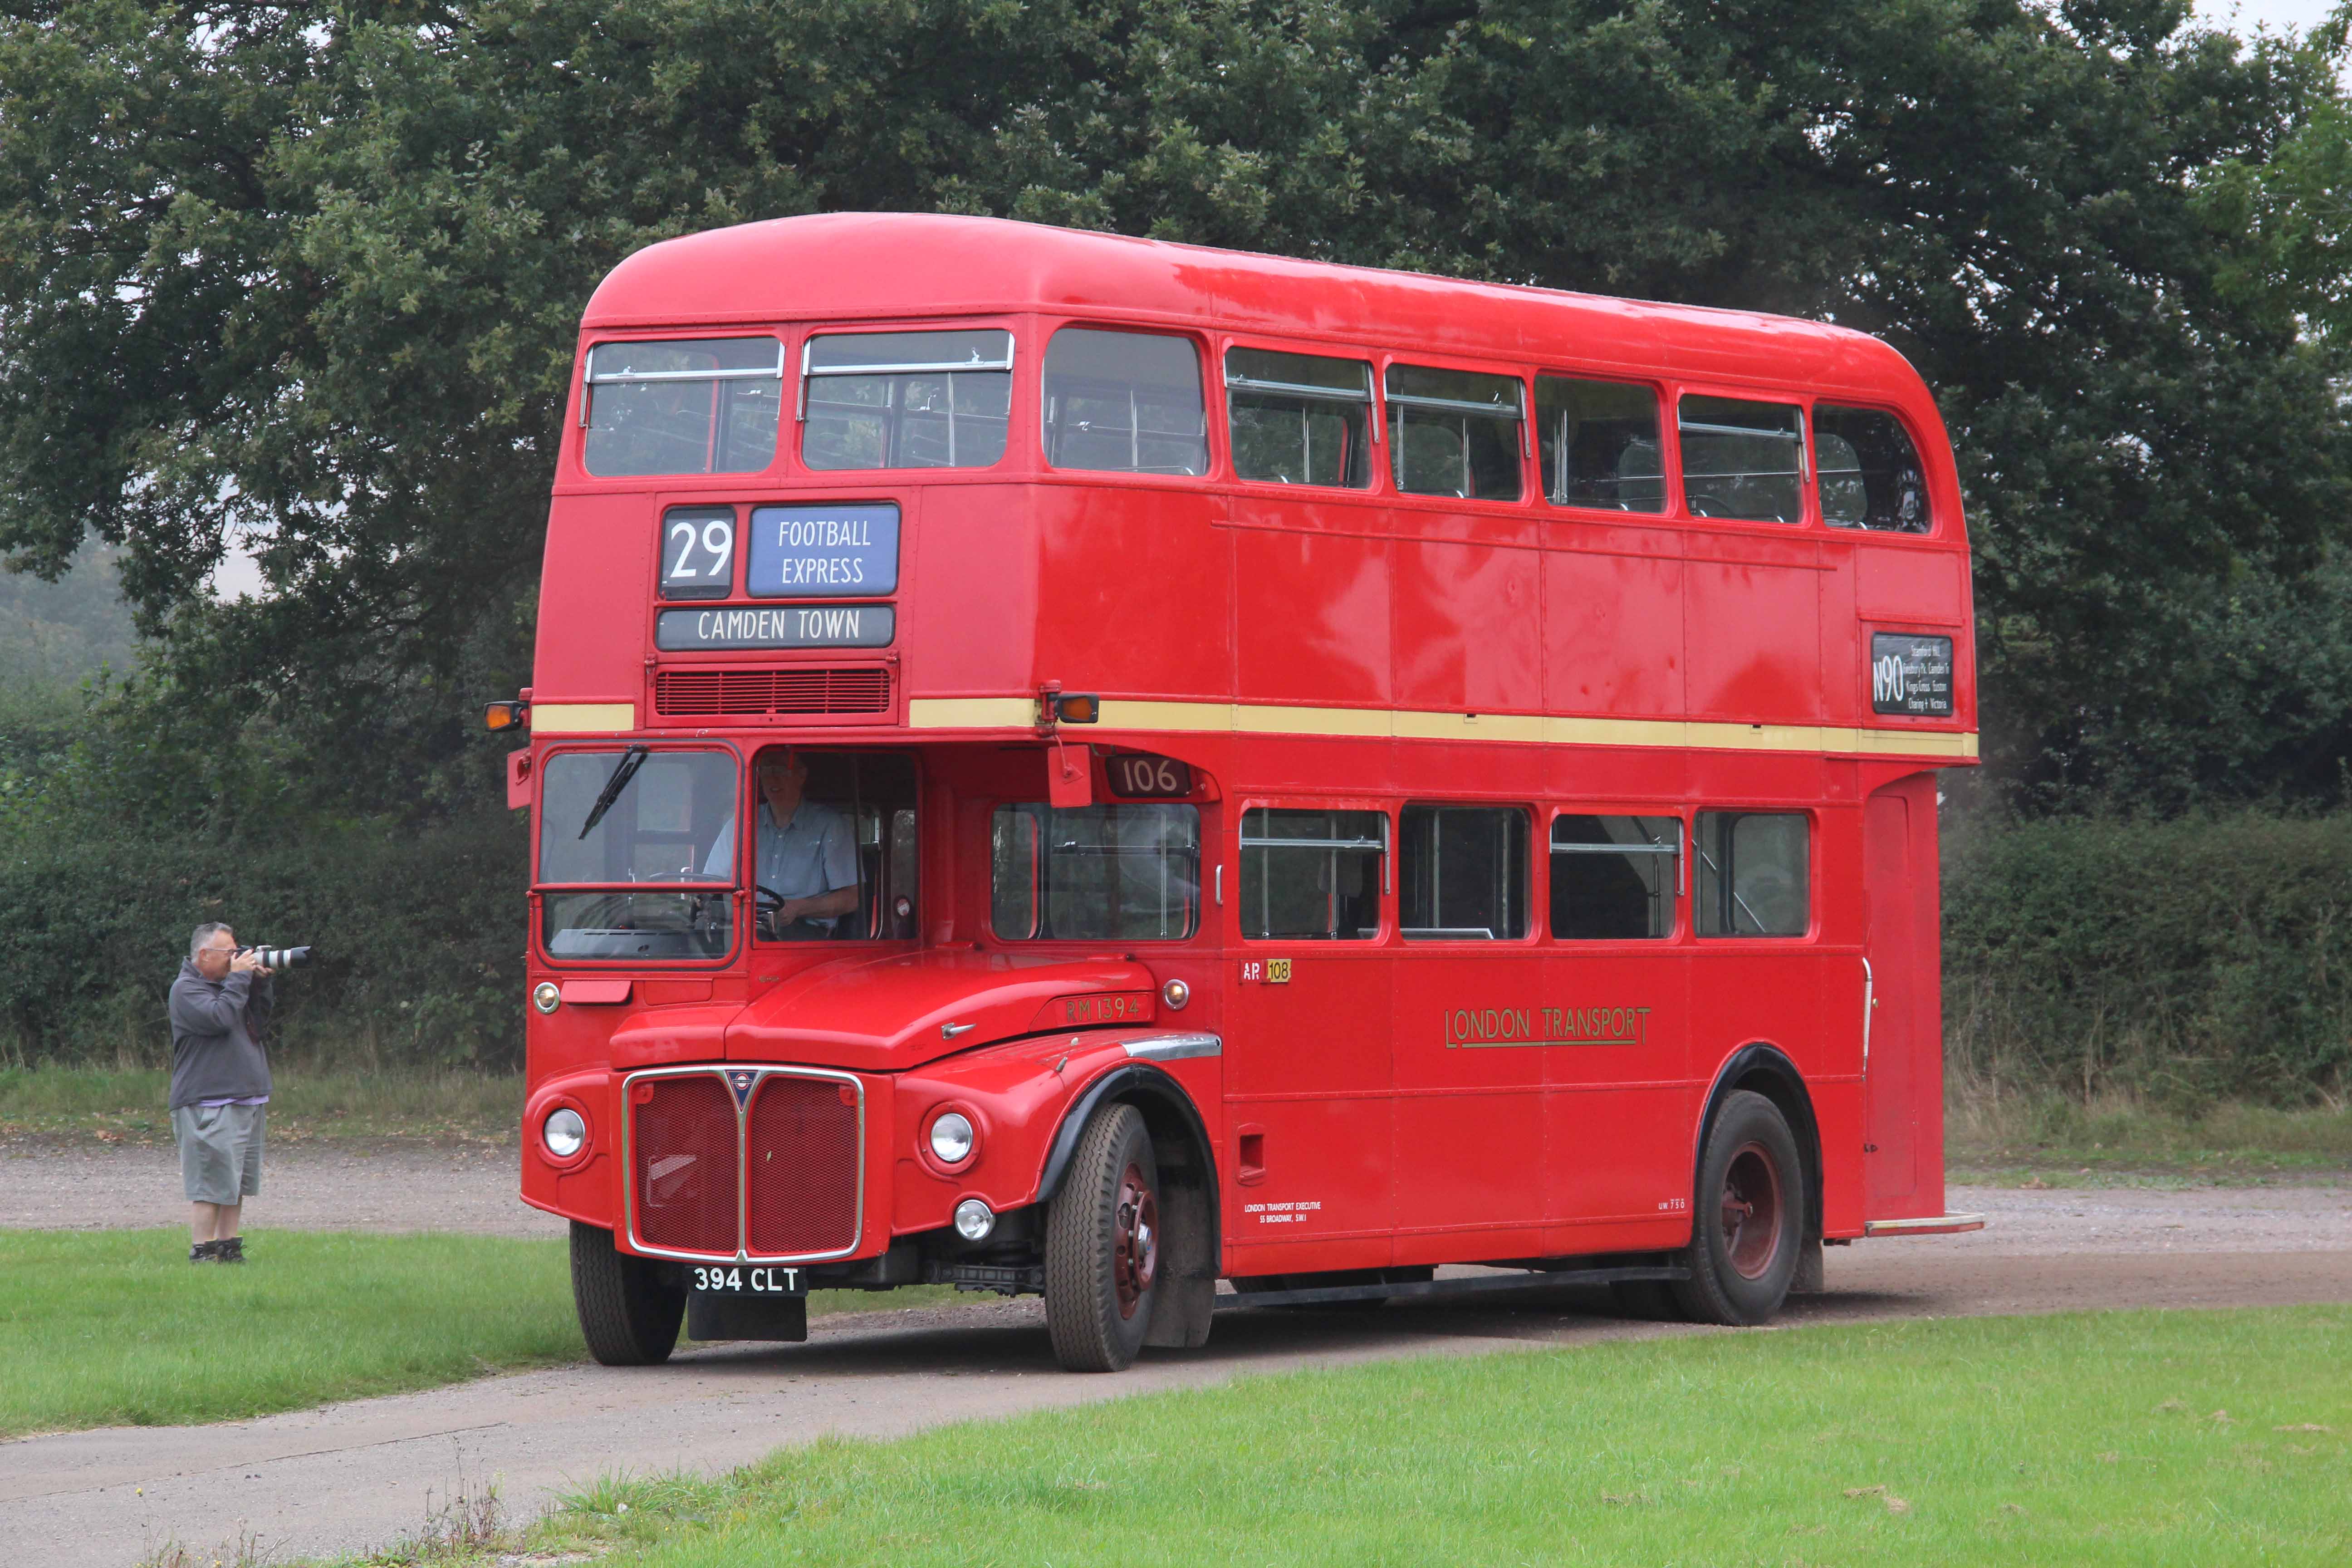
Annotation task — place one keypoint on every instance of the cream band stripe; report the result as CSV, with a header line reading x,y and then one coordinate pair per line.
x,y
581,718
1373,723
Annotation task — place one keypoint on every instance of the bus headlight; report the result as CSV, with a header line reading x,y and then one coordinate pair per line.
x,y
975,1220
563,1133
951,1139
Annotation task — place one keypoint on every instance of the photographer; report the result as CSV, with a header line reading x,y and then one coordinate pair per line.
x,y
220,1086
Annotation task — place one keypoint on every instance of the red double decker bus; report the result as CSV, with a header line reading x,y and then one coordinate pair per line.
x,y
1070,765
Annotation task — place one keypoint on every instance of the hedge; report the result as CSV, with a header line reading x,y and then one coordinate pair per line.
x,y
419,938
2179,961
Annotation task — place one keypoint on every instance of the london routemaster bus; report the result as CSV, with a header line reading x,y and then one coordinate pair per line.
x,y
1078,765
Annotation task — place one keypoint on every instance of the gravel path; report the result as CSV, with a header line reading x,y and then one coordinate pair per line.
x,y
471,1188
356,1476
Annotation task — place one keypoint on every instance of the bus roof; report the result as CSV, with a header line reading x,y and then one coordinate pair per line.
x,y
876,266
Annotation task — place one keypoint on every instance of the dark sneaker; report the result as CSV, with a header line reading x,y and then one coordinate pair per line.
x,y
204,1252
230,1251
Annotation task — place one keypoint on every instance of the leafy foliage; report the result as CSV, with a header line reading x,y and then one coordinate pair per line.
x,y
309,276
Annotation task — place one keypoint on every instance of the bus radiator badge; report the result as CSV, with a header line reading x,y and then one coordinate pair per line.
x,y
740,1082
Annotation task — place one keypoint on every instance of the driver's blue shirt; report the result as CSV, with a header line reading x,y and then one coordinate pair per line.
x,y
815,853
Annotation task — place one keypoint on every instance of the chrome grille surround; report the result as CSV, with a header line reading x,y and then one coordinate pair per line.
x,y
722,1073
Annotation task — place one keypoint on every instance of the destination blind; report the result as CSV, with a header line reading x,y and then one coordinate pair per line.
x,y
826,550
739,627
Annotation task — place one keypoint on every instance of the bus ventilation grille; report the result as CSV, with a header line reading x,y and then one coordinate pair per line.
x,y
803,1160
682,1146
803,690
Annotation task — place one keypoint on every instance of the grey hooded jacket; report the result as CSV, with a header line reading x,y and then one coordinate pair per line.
x,y
217,1030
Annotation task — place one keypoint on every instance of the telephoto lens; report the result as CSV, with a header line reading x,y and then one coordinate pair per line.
x,y
281,957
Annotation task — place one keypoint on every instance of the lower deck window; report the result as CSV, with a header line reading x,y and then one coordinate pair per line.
x,y
1614,877
1754,874
1462,872
1312,874
1096,873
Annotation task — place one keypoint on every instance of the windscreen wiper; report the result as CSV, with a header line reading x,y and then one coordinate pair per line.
x,y
631,761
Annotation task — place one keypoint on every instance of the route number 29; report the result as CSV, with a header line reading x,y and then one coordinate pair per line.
x,y
697,551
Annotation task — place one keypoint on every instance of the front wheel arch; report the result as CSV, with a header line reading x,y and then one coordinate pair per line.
x,y
1190,1206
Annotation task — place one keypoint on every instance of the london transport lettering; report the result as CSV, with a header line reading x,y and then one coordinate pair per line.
x,y
1492,1028
853,626
819,552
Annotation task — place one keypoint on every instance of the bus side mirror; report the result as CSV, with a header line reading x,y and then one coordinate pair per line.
x,y
523,785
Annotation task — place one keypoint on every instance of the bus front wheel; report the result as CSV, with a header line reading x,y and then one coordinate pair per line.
x,y
627,1315
1102,1246
1748,1216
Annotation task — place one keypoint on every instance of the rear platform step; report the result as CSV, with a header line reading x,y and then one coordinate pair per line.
x,y
1927,1224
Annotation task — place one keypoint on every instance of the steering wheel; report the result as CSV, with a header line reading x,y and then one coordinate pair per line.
x,y
765,904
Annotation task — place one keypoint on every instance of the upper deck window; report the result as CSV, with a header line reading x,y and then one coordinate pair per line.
x,y
1599,444
906,400
695,405
1299,419
1455,433
1870,472
1126,402
1743,459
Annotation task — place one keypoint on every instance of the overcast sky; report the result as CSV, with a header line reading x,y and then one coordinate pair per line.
x,y
2246,15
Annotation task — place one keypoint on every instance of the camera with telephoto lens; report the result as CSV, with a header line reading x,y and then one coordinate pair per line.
x,y
279,957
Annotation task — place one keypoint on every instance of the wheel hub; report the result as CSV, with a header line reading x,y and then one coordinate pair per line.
x,y
1750,1211
1134,1240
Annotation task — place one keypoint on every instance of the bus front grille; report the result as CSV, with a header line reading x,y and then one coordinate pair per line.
x,y
800,1158
682,1149
753,1161
791,691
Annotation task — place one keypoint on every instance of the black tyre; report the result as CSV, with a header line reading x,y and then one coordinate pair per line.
x,y
1748,1216
1102,1246
627,1315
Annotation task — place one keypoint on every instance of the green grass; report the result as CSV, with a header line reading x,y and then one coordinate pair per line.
x,y
2017,1140
2190,1439
130,1105
115,1328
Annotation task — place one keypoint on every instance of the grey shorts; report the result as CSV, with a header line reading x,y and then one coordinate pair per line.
x,y
220,1151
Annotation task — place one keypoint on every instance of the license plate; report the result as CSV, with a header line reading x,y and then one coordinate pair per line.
x,y
750,1279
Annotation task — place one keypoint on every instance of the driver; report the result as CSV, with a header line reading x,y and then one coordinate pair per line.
x,y
808,852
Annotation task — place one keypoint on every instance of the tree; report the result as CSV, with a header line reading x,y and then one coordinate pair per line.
x,y
311,275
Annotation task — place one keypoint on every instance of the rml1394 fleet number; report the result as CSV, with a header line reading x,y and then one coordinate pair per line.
x,y
749,1281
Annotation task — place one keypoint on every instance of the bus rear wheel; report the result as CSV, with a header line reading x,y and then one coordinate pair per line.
x,y
1102,1246
627,1315
1748,1216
